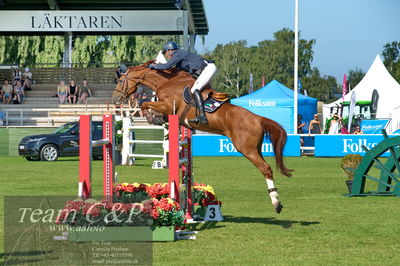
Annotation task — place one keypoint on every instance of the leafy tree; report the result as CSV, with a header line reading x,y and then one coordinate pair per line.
x,y
51,51
87,49
232,66
354,77
272,58
391,58
319,87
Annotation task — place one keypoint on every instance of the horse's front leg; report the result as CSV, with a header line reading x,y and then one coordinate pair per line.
x,y
157,107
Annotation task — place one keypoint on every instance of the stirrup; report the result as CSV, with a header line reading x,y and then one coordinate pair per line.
x,y
200,119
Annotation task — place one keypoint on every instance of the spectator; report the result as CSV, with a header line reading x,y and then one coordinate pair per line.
x,y
145,94
358,131
315,126
85,92
2,119
27,80
19,95
16,75
335,125
72,92
7,92
300,124
133,100
300,127
2,93
62,92
117,74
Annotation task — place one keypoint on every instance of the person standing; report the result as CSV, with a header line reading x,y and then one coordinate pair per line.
x,y
300,127
335,125
315,126
196,66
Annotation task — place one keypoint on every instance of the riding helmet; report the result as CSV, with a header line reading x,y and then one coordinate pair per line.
x,y
170,46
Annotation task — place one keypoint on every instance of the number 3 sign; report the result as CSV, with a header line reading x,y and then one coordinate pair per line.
x,y
213,213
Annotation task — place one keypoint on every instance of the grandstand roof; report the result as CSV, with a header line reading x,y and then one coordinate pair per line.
x,y
197,15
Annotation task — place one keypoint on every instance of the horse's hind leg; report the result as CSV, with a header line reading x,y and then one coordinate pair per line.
x,y
251,149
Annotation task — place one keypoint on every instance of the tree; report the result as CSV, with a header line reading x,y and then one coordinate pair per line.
x,y
232,61
391,59
319,87
355,76
52,48
279,56
273,58
88,50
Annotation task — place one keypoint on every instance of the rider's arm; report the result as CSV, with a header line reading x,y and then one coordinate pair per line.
x,y
176,58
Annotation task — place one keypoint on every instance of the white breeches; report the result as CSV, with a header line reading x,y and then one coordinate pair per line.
x,y
205,77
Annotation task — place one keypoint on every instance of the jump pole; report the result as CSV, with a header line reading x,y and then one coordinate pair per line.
x,y
180,164
85,156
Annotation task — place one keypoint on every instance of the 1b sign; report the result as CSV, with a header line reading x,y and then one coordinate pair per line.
x,y
213,213
157,165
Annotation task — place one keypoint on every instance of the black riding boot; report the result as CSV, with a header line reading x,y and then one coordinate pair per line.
x,y
201,118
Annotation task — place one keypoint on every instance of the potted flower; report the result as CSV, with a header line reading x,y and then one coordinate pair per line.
x,y
349,164
140,212
202,197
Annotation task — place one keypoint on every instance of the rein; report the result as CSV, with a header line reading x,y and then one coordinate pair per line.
x,y
125,88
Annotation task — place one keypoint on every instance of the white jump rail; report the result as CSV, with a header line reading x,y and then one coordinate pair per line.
x,y
70,114
128,157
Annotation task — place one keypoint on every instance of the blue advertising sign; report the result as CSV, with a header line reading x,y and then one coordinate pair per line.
x,y
341,145
218,145
373,126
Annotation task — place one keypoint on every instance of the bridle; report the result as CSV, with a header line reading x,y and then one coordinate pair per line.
x,y
125,88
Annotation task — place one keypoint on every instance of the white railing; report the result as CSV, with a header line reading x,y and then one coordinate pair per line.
x,y
127,142
23,116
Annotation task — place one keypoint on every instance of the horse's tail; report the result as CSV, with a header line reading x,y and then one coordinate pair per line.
x,y
278,138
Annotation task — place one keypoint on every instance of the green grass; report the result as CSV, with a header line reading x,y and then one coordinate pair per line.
x,y
318,225
10,138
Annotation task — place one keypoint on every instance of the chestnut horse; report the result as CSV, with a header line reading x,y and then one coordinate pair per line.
x,y
244,128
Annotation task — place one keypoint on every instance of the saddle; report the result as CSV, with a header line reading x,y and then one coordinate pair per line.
x,y
212,99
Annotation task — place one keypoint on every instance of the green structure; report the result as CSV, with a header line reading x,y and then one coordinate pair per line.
x,y
388,181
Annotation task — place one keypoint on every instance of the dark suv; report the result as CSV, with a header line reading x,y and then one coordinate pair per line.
x,y
63,142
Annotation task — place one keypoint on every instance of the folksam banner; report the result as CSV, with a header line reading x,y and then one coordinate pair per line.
x,y
373,126
218,145
341,145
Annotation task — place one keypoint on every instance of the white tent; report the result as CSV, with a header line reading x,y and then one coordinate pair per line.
x,y
388,104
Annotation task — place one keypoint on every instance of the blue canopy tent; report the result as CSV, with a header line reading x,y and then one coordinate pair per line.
x,y
275,101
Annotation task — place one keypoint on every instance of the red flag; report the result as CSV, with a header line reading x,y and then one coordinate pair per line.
x,y
263,81
344,87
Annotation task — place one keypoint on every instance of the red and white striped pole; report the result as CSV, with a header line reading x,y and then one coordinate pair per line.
x,y
180,163
85,156
108,156
173,157
187,169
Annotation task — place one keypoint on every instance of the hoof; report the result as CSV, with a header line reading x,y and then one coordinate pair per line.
x,y
278,207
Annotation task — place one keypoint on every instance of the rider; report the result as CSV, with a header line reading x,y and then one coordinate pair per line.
x,y
193,64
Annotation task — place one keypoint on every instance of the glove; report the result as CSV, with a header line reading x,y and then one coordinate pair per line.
x,y
151,66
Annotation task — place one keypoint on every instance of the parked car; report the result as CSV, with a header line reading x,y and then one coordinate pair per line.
x,y
64,142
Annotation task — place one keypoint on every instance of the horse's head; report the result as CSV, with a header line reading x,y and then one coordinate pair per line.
x,y
128,82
